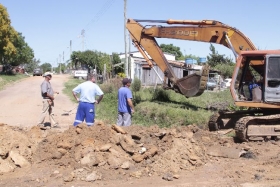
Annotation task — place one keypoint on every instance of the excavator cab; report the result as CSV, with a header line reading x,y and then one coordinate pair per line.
x,y
256,79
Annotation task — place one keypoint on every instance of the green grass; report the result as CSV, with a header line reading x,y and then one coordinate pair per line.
x,y
164,108
69,86
9,79
176,109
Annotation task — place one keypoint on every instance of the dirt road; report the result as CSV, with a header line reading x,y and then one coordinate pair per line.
x,y
21,103
100,156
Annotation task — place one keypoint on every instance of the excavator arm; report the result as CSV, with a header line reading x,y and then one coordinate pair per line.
x,y
203,31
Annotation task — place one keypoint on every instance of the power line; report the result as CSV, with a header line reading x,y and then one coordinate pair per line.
x,y
98,15
103,9
96,18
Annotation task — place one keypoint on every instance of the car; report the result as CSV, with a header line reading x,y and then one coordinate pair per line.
x,y
211,84
227,82
37,72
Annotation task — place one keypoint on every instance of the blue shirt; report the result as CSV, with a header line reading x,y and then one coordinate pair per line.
x,y
124,93
88,90
251,87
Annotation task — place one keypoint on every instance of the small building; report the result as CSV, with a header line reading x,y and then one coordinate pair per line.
x,y
149,77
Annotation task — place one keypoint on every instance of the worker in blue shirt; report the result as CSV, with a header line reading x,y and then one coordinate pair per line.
x,y
125,104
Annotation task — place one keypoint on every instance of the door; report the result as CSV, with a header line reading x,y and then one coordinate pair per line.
x,y
272,81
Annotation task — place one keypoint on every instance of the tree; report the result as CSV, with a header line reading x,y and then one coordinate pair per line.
x,y
75,56
32,65
189,56
7,36
24,54
117,60
104,59
215,58
171,49
91,59
61,67
46,67
225,69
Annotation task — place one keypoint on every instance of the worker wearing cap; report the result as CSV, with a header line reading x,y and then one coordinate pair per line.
x,y
125,104
88,91
48,101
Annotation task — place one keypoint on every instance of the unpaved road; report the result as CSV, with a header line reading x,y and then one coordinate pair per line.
x,y
68,156
21,103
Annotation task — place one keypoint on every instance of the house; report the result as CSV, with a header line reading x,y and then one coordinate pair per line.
x,y
140,68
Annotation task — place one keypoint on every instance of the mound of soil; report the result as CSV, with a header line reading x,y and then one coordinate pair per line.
x,y
101,152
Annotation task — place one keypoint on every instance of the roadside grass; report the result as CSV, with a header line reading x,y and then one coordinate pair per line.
x,y
164,108
9,79
175,109
69,86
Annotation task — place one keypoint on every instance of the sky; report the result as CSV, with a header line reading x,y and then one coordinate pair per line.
x,y
49,25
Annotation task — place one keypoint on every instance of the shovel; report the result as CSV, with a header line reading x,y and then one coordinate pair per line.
x,y
67,113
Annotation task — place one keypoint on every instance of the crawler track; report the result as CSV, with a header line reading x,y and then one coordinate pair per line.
x,y
268,126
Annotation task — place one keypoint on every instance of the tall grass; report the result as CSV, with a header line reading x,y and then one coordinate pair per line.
x,y
164,108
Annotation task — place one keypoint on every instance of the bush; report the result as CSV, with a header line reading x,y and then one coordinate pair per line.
x,y
111,85
161,95
136,85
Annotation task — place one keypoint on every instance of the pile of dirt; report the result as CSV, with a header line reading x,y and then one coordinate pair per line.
x,y
105,152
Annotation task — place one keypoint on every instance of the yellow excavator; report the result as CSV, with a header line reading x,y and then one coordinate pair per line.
x,y
255,84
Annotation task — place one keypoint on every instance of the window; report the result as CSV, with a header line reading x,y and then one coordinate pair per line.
x,y
273,68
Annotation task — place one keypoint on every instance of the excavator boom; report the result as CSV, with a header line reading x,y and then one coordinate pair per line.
x,y
203,31
209,31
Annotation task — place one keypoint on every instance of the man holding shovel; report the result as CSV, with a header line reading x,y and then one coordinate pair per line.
x,y
88,91
48,101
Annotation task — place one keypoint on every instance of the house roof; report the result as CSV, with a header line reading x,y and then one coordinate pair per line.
x,y
131,52
144,63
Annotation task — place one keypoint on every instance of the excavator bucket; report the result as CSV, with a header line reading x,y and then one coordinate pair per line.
x,y
194,84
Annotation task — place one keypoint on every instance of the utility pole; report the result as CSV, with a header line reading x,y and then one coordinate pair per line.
x,y
62,61
129,57
83,35
125,42
59,63
70,49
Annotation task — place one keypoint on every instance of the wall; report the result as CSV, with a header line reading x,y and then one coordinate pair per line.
x,y
149,77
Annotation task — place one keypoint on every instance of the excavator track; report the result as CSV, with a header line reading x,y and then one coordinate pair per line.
x,y
215,123
226,119
240,129
257,127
